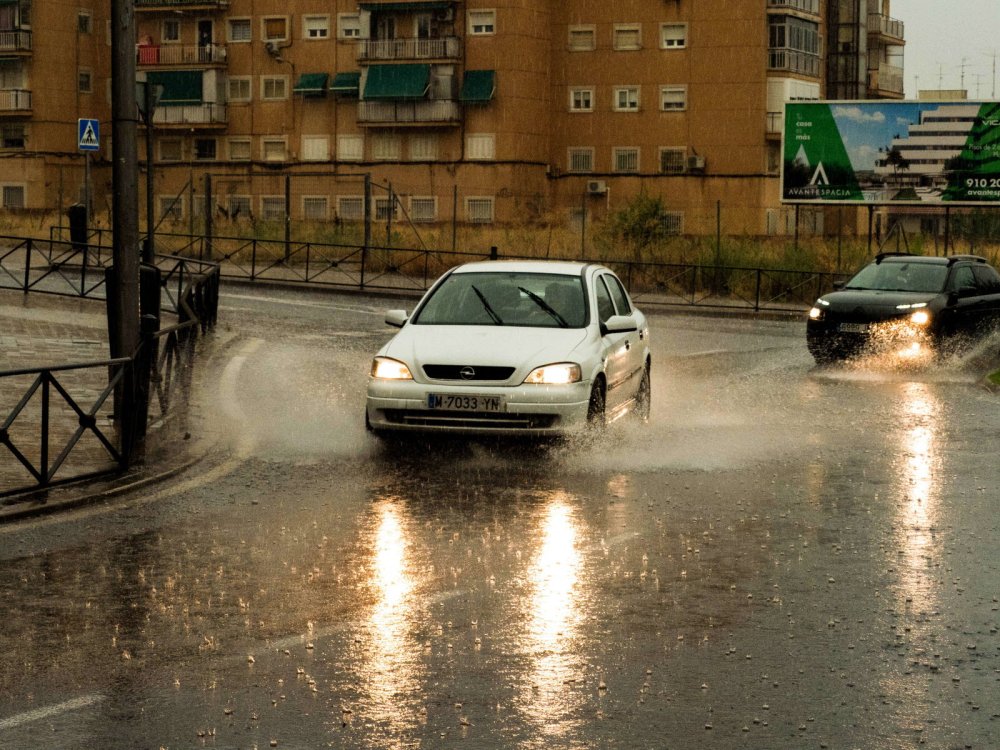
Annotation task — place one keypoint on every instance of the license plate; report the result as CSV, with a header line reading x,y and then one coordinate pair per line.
x,y
465,402
853,328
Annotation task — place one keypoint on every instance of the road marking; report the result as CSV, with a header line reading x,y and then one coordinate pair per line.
x,y
301,303
38,714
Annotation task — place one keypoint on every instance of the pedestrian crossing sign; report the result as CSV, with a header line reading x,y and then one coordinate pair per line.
x,y
88,134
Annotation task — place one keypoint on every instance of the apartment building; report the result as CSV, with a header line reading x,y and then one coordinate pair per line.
x,y
482,110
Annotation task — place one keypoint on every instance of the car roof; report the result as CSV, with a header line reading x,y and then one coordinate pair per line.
x,y
561,267
928,259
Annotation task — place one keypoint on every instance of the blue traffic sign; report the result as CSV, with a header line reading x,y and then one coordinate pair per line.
x,y
88,134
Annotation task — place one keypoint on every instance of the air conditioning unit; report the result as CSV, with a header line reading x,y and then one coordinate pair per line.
x,y
696,164
271,47
597,187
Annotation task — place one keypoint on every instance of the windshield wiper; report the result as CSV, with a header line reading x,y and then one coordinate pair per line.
x,y
486,306
545,306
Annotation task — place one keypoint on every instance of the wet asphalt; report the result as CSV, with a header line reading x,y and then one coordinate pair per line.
x,y
785,557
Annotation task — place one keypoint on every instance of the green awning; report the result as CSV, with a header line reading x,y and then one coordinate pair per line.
x,y
179,86
398,81
312,84
417,6
478,87
348,84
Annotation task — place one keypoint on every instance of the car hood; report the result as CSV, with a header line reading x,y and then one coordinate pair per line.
x,y
501,346
874,301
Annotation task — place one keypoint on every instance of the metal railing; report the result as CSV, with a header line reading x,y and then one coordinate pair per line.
x,y
805,6
15,100
18,40
794,61
430,111
180,54
409,49
160,370
879,23
157,4
206,113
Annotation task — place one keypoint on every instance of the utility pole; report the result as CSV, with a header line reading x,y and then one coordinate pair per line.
x,y
123,298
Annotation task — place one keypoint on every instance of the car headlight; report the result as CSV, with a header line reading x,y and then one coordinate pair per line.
x,y
816,314
920,318
385,368
557,374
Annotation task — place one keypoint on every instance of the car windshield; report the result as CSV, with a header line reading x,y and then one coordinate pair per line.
x,y
506,299
894,276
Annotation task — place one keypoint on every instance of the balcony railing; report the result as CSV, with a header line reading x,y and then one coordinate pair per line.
x,y
409,49
191,114
181,54
18,40
805,6
403,112
15,100
161,4
794,61
887,79
879,23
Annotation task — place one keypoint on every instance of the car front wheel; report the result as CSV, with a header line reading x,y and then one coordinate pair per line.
x,y
643,397
596,406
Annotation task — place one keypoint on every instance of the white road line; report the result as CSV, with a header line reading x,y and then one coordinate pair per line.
x,y
301,303
38,714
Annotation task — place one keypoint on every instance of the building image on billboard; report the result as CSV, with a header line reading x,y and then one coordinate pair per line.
x,y
882,152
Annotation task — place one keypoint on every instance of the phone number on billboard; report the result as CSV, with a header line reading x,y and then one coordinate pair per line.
x,y
983,182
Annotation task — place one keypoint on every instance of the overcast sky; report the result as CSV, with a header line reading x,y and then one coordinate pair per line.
x,y
941,35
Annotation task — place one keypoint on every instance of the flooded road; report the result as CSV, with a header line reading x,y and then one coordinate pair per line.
x,y
784,557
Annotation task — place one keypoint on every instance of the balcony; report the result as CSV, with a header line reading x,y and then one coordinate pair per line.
x,y
399,112
179,5
884,26
180,54
775,124
446,48
206,114
793,61
886,81
15,101
17,40
809,7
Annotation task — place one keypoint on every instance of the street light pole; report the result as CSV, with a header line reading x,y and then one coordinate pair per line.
x,y
148,104
123,299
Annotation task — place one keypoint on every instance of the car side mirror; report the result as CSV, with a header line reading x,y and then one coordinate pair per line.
x,y
838,285
396,318
619,324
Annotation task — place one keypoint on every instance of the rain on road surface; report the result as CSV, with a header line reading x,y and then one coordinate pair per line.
x,y
785,557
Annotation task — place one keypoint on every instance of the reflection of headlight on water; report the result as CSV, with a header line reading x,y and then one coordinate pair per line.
x,y
913,351
920,318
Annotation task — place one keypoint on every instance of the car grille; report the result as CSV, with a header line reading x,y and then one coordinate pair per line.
x,y
455,372
421,418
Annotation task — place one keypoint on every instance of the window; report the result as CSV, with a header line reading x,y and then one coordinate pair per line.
x,y
13,135
273,88
315,27
272,207
171,149
350,147
626,159
205,149
315,148
479,210
423,208
581,100
84,22
85,81
239,30
315,208
239,149
626,99
581,160
673,223
383,206
482,22
481,146
239,89
605,307
237,206
273,149
171,207
349,26
12,196
617,294
673,36
351,208
423,147
673,98
793,33
672,160
170,31
386,147
274,28
582,38
627,36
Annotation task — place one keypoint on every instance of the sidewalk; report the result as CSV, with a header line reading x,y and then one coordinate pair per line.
x,y
39,330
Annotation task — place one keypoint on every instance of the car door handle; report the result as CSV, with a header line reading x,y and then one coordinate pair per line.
x,y
628,345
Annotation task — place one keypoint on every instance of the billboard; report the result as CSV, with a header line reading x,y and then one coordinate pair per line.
x,y
886,151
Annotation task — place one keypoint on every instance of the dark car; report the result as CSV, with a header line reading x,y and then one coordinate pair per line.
x,y
907,305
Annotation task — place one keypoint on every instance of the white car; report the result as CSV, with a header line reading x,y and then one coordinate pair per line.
x,y
513,347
